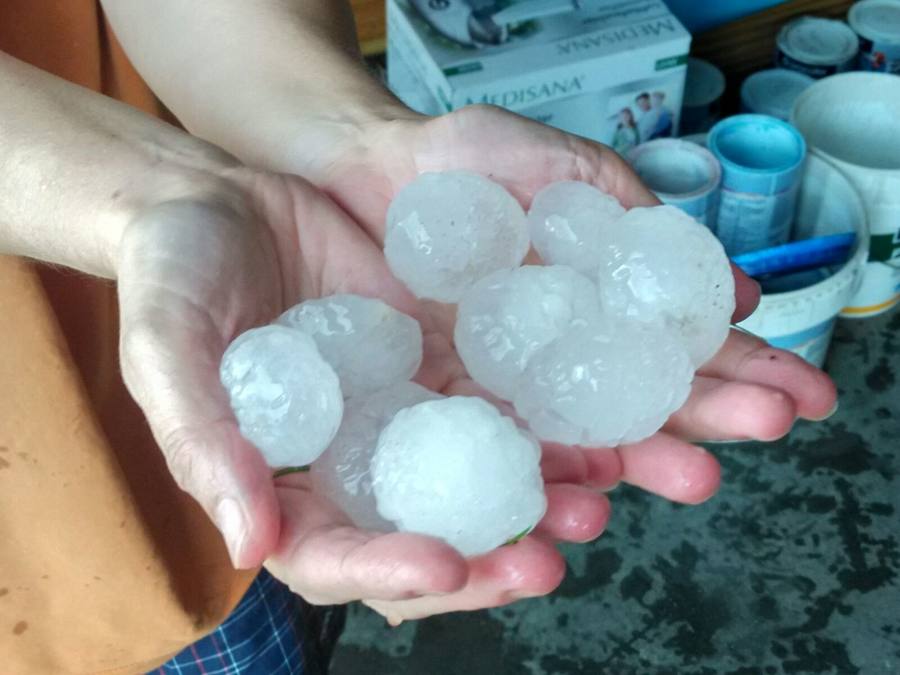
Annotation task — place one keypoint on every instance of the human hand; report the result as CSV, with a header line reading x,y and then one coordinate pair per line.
x,y
194,273
747,391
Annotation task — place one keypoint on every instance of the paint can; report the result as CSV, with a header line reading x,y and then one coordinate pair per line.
x,y
877,23
816,47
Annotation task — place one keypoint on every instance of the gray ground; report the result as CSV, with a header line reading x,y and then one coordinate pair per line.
x,y
792,568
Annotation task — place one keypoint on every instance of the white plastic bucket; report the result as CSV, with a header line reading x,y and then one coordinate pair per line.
x,y
802,320
853,120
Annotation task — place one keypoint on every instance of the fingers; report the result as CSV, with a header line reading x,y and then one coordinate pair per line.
x,y
526,569
746,294
720,410
574,514
746,358
326,560
671,468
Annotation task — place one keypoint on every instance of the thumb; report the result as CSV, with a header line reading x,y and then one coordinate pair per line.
x,y
172,372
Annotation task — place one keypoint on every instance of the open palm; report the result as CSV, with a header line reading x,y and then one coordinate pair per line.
x,y
747,391
196,272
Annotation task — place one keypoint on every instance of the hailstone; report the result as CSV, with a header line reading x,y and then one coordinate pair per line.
x,y
506,317
458,470
286,398
370,344
660,265
565,222
342,473
445,231
609,383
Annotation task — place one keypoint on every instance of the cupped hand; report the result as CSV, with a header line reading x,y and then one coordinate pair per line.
x,y
196,272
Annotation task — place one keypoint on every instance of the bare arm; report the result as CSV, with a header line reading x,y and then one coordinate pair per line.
x,y
76,166
280,83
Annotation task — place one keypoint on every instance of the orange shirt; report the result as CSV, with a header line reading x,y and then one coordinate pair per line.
x,y
105,565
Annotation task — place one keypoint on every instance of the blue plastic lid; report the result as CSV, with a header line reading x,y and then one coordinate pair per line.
x,y
759,154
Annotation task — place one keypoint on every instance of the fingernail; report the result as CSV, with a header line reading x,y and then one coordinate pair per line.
x,y
831,413
230,521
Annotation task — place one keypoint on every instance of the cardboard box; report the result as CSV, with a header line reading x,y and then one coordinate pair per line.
x,y
609,70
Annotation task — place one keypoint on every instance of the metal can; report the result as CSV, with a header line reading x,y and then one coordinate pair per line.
x,y
773,92
816,47
682,174
877,23
762,161
703,88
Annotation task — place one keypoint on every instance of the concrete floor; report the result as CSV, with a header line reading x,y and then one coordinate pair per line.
x,y
792,568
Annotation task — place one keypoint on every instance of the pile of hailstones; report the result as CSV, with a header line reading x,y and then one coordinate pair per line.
x,y
597,347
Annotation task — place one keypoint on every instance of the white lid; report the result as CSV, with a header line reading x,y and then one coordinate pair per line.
x,y
877,20
818,41
773,92
704,83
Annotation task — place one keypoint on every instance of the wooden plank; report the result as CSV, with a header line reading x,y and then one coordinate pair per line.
x,y
370,25
746,45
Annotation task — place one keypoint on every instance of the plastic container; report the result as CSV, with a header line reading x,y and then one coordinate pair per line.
x,y
877,23
703,88
762,161
773,92
816,47
682,174
853,119
799,313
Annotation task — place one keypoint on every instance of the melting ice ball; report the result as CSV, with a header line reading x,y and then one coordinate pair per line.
x,y
286,398
610,383
370,344
506,317
458,470
342,473
445,231
660,265
566,220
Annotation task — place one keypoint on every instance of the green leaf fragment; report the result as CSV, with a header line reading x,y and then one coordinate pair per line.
x,y
289,470
519,537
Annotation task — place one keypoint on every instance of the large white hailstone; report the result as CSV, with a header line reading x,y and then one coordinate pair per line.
x,y
445,231
286,398
458,470
370,344
610,383
565,221
660,265
342,473
506,317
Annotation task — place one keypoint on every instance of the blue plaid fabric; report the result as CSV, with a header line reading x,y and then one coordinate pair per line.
x,y
271,632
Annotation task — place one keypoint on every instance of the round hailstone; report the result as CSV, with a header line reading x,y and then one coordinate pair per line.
x,y
445,231
458,470
565,221
342,473
370,344
604,385
506,317
660,264
286,398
